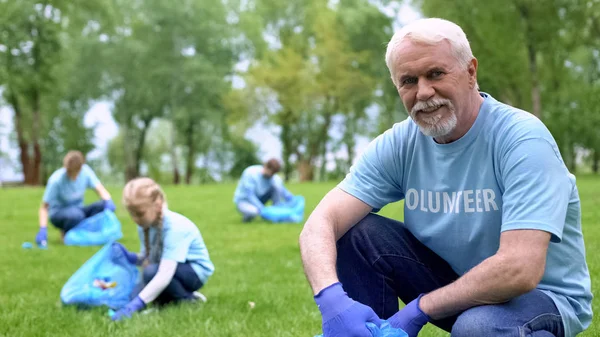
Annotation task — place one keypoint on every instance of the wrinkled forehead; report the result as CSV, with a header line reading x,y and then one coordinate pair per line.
x,y
413,56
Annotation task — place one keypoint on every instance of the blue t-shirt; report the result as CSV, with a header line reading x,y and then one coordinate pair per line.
x,y
63,192
505,173
182,242
253,185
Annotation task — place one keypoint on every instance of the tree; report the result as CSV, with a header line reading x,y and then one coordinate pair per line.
x,y
530,56
315,74
168,64
36,39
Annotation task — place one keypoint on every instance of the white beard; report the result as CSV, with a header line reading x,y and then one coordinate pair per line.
x,y
433,124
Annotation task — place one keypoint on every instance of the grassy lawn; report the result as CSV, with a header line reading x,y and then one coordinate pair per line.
x,y
257,262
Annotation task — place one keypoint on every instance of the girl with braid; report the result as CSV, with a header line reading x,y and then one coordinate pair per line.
x,y
173,254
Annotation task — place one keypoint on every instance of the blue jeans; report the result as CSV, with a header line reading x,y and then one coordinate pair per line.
x,y
182,286
379,261
67,218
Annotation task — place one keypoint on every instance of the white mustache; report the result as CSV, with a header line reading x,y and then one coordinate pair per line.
x,y
429,105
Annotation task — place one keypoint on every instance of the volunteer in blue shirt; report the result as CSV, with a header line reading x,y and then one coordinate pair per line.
x,y
63,197
491,243
258,185
175,259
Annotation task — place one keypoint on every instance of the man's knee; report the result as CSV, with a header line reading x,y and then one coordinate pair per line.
x,y
247,209
479,321
365,232
149,272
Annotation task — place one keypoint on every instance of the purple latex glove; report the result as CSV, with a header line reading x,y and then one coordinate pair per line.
x,y
411,318
41,237
135,305
110,205
342,316
118,249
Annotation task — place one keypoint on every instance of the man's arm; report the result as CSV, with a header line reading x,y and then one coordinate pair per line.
x,y
102,192
515,269
248,188
43,215
331,219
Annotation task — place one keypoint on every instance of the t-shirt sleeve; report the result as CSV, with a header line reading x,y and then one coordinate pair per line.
x,y
176,245
51,192
537,188
92,179
376,177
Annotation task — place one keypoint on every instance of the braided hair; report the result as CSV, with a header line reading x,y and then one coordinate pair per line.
x,y
144,193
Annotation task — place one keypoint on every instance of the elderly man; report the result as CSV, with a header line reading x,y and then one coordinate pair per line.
x,y
258,185
63,198
491,243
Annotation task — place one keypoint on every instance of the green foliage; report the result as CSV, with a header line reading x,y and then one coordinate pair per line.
x,y
314,69
244,155
166,63
319,67
550,53
44,48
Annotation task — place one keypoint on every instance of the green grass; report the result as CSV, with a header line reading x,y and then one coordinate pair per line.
x,y
256,262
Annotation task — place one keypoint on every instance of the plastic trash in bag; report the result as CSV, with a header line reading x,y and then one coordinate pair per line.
x,y
290,211
96,230
107,278
385,330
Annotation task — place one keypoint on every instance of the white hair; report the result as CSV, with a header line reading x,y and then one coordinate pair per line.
x,y
430,31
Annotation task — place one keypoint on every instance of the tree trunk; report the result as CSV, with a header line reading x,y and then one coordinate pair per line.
x,y
35,139
317,147
189,170
536,99
305,169
173,153
139,151
128,152
323,169
21,139
287,151
36,124
349,140
176,176
23,144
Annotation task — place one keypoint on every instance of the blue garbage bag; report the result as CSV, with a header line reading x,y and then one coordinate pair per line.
x,y
108,267
385,330
95,231
290,211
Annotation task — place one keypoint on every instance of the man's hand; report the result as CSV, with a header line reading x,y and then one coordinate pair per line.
x,y
42,237
411,318
342,316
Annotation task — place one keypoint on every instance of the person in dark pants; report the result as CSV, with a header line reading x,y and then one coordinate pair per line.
x,y
174,256
63,197
491,242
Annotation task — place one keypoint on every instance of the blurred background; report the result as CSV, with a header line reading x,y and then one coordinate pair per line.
x,y
193,91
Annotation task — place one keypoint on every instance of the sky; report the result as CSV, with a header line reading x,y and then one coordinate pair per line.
x,y
105,127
